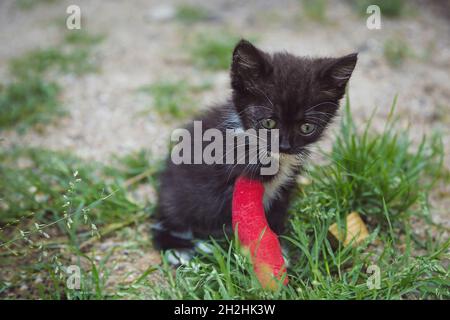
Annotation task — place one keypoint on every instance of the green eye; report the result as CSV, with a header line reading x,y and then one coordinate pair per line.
x,y
307,128
268,123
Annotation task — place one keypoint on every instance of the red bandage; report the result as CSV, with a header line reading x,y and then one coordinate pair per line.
x,y
255,234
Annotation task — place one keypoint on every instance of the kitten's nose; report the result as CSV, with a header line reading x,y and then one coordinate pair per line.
x,y
285,146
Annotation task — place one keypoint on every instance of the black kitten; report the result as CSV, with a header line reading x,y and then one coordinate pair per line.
x,y
297,96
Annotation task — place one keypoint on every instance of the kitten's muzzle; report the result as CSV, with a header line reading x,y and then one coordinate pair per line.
x,y
285,147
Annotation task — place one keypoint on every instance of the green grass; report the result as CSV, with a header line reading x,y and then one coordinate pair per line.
x,y
317,272
387,181
396,51
212,51
71,201
82,38
40,61
44,176
27,102
389,8
315,9
381,175
74,56
136,164
174,99
30,97
30,4
189,14
372,171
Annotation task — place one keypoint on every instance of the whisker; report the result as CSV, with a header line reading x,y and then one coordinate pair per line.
x,y
253,135
319,104
243,157
234,166
317,119
327,115
328,157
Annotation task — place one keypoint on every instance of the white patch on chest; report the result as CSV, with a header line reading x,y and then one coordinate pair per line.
x,y
287,166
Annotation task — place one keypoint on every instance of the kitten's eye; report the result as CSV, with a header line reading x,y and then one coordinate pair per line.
x,y
268,123
307,128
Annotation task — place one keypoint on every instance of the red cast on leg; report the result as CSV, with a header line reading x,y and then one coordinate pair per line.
x,y
255,234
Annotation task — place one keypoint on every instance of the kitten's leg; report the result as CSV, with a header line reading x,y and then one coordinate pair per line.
x,y
179,244
276,216
177,257
203,246
167,238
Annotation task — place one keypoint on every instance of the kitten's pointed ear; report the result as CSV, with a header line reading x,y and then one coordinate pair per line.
x,y
249,64
336,74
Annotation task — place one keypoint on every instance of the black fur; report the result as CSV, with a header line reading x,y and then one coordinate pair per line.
x,y
281,86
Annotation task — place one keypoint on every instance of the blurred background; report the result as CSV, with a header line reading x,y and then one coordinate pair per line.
x,y
137,69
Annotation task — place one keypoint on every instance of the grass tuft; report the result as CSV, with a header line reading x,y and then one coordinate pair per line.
x,y
213,51
396,51
30,4
389,8
38,62
189,14
31,96
368,172
174,98
27,102
82,38
54,206
315,9
139,166
34,180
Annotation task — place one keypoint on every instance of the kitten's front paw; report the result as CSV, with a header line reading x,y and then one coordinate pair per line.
x,y
177,257
203,247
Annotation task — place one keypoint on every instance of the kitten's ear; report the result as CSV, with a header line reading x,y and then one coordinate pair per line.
x,y
335,75
249,64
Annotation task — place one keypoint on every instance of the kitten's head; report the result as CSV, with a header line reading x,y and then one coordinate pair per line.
x,y
298,96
